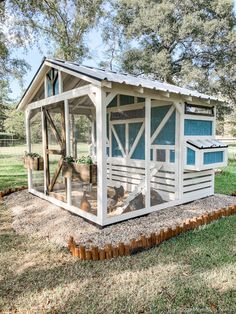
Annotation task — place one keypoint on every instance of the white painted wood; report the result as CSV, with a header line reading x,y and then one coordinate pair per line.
x,y
74,93
45,87
147,150
109,98
101,155
140,133
195,187
44,153
118,140
60,82
162,124
74,73
180,149
190,182
68,147
198,117
28,144
70,208
196,174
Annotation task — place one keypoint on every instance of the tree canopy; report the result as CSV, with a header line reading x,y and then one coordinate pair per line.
x,y
64,23
189,43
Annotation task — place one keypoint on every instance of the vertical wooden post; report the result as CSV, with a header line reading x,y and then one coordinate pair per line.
x,y
179,149
28,143
68,151
45,155
147,131
101,155
60,82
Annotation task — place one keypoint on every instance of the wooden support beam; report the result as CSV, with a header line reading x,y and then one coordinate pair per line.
x,y
46,157
107,84
56,174
53,127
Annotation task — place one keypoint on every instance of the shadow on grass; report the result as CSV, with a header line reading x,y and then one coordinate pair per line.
x,y
165,279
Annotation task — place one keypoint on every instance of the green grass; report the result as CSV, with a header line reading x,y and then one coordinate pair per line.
x,y
194,273
225,182
12,172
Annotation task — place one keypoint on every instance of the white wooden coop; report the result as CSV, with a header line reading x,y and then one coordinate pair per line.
x,y
152,143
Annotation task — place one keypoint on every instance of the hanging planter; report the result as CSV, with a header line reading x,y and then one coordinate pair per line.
x,y
33,161
84,169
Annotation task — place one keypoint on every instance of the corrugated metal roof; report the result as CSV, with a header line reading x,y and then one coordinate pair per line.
x,y
205,144
122,78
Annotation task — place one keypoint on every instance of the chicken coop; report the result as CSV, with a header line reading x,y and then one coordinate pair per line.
x,y
109,146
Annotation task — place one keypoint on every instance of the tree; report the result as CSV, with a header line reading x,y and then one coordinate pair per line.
x,y
14,123
189,43
64,23
10,67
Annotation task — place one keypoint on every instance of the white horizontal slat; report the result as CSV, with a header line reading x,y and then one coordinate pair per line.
x,y
127,169
194,174
127,174
163,181
161,187
126,179
194,195
197,180
197,186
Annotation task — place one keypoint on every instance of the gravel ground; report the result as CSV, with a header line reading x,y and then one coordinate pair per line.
x,y
37,217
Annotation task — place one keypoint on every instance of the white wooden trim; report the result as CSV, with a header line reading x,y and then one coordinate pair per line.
x,y
28,144
60,82
101,155
109,98
45,87
70,208
74,73
147,132
44,152
140,133
68,150
198,117
118,140
74,93
163,122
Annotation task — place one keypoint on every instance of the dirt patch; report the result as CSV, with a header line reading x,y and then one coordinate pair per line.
x,y
37,217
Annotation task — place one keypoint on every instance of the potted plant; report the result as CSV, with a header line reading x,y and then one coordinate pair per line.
x,y
82,168
33,161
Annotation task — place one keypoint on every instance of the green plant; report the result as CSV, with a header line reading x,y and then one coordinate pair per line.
x,y
85,160
69,159
33,155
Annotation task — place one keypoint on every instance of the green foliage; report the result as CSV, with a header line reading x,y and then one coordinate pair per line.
x,y
33,155
83,128
63,23
14,123
85,160
233,132
189,43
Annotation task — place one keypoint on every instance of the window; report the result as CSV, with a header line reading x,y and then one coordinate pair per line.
x,y
52,82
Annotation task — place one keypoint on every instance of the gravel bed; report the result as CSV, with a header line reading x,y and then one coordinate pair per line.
x,y
37,217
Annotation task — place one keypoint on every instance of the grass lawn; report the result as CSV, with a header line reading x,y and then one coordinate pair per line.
x,y
194,273
225,182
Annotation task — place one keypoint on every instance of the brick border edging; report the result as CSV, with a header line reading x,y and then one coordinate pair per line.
x,y
146,242
12,190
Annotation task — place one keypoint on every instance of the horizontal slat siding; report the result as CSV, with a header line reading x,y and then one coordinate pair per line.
x,y
197,182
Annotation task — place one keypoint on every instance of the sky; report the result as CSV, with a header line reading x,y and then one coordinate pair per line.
x,y
34,58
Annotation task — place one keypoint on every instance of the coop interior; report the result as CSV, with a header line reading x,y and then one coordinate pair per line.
x,y
125,148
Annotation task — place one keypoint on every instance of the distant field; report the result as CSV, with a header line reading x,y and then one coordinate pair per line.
x,y
13,174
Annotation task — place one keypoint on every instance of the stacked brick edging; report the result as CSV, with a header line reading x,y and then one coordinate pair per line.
x,y
12,190
145,242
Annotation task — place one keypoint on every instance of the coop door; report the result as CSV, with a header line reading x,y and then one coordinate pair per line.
x,y
55,148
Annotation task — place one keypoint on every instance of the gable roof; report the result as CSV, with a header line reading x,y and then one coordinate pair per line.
x,y
100,75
